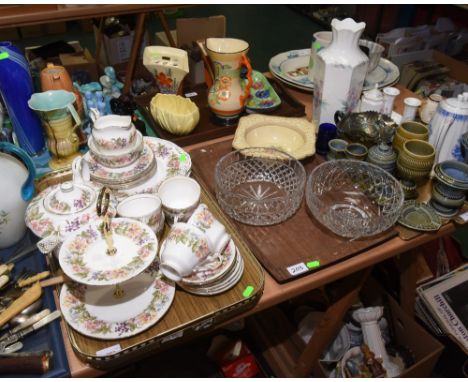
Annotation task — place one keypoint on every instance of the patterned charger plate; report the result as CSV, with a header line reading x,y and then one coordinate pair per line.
x,y
83,255
217,270
292,68
419,216
96,312
171,161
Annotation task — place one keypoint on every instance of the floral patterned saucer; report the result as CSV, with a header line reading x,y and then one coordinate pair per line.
x,y
228,281
121,175
96,312
83,255
171,161
216,270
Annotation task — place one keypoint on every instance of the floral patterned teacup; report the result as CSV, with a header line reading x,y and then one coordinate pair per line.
x,y
180,196
185,249
146,208
216,233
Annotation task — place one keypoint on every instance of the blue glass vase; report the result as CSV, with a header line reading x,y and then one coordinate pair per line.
x,y
16,88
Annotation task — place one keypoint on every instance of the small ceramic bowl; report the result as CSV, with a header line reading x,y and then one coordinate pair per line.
x,y
446,201
117,159
337,149
453,174
409,189
146,208
417,155
356,151
374,54
407,131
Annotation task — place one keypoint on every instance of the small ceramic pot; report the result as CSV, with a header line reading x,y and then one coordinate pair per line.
x,y
416,160
383,156
216,233
356,151
409,188
337,149
146,208
180,196
429,107
184,250
411,107
407,131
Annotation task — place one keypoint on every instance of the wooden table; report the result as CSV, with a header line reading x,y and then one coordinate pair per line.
x,y
354,268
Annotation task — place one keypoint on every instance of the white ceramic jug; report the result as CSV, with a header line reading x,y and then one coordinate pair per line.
x,y
447,126
17,191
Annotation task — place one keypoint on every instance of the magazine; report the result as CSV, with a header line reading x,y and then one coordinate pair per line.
x,y
446,299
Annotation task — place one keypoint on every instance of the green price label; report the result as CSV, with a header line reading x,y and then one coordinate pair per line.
x,y
313,264
4,55
183,157
248,291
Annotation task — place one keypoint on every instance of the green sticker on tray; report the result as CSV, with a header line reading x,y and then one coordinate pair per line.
x,y
4,55
183,157
313,264
248,291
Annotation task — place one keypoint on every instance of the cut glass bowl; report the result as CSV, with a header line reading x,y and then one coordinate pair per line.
x,y
354,199
259,186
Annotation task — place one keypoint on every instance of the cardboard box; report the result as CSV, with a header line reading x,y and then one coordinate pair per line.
x,y
425,348
193,29
80,61
116,50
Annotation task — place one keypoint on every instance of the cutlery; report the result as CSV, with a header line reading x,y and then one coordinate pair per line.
x,y
27,298
30,320
24,332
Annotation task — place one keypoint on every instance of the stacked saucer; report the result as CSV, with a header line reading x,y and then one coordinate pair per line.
x,y
219,276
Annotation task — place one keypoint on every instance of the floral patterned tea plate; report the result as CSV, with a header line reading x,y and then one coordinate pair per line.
x,y
135,170
228,281
292,68
216,271
263,97
419,216
95,311
83,255
171,161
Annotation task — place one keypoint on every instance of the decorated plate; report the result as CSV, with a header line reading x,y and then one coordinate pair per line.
x,y
223,284
171,161
419,216
217,270
120,175
263,97
83,255
292,68
96,312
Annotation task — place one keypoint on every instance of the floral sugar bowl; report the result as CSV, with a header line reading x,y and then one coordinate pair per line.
x,y
64,208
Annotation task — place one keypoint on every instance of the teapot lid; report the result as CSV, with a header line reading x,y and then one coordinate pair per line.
x,y
461,102
69,199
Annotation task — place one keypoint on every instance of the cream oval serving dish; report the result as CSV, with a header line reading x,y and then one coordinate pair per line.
x,y
295,136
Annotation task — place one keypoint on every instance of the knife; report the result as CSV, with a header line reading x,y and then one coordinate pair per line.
x,y
24,332
29,250
30,321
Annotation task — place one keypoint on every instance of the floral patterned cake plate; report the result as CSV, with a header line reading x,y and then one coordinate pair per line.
x,y
292,68
120,175
215,272
171,161
83,255
96,312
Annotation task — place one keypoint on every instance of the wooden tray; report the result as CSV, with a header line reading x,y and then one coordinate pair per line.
x,y
188,316
207,129
299,243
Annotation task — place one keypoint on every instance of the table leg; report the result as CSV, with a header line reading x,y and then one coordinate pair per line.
x,y
136,44
331,323
408,280
166,28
